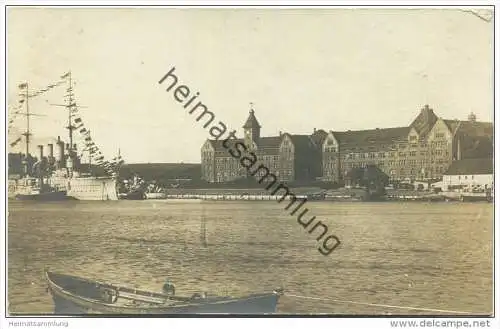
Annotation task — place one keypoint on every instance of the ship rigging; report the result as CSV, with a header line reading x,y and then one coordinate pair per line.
x,y
65,173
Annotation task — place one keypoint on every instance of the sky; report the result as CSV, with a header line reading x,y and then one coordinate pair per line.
x,y
332,69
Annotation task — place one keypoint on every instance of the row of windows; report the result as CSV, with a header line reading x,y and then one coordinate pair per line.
x,y
465,177
221,165
393,154
439,144
437,152
333,148
278,173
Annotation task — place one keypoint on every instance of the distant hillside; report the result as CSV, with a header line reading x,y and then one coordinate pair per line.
x,y
162,171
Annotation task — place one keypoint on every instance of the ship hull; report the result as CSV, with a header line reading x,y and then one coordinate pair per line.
x,y
47,196
87,188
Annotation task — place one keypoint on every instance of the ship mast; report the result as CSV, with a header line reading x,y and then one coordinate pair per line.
x,y
69,106
27,134
90,155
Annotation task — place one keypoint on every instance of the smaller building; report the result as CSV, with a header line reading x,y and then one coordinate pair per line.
x,y
471,174
289,157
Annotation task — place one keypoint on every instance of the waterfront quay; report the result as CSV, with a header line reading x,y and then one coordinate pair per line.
x,y
249,194
318,194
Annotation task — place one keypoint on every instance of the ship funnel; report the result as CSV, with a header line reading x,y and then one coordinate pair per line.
x,y
60,154
40,152
51,150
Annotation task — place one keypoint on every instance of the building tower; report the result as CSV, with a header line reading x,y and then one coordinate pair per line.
x,y
251,129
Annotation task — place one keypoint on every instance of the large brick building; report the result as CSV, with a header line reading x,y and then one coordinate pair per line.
x,y
421,151
289,157
424,150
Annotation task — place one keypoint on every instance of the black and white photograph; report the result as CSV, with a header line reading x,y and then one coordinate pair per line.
x,y
250,161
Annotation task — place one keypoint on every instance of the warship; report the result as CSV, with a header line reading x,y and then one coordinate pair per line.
x,y
61,173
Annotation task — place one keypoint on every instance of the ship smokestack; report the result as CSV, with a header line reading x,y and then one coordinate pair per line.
x,y
40,152
60,154
51,150
50,155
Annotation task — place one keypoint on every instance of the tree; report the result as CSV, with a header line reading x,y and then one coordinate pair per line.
x,y
370,176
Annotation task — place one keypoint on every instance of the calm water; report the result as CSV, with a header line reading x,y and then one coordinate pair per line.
x,y
436,255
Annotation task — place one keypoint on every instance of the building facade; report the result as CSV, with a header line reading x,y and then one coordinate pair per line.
x,y
422,151
289,157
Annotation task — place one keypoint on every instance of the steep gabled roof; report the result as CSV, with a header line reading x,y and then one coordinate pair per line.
x,y
476,147
264,143
471,128
476,138
271,145
319,137
272,142
377,136
424,122
474,128
303,143
452,124
471,167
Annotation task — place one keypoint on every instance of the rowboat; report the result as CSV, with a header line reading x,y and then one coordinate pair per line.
x,y
74,295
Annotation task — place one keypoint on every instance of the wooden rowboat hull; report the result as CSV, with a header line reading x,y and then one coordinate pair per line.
x,y
76,296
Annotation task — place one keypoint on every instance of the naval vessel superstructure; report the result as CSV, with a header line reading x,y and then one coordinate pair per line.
x,y
63,170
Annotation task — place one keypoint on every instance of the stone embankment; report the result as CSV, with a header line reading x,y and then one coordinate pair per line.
x,y
318,194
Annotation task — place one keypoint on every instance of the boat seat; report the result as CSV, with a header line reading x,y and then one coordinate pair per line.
x,y
199,296
109,296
